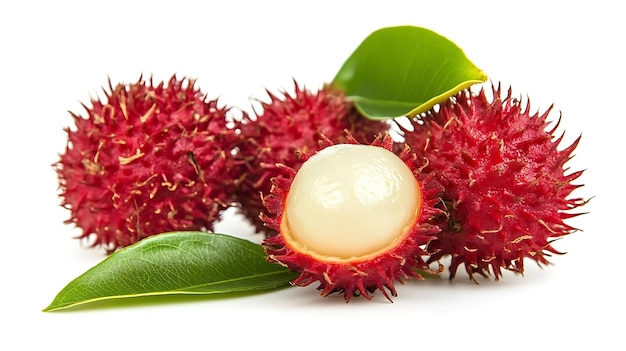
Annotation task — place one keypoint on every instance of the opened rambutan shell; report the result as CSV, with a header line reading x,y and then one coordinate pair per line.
x,y
287,125
502,179
336,267
146,159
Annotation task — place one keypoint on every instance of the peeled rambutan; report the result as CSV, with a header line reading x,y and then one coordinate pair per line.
x,y
286,125
149,158
504,187
353,218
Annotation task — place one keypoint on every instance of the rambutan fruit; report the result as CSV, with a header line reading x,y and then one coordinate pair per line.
x,y
149,158
502,180
291,123
353,218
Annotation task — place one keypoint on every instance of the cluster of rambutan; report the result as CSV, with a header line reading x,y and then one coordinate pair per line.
x,y
480,180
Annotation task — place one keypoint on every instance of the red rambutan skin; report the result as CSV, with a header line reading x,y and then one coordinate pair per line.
x,y
356,277
290,124
147,159
503,183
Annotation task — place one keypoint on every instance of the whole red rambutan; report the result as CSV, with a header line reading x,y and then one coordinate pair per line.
x,y
353,218
504,187
289,124
149,158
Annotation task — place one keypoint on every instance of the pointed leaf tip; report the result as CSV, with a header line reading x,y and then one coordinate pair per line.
x,y
404,71
176,263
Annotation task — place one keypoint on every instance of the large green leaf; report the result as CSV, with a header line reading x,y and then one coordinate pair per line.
x,y
176,263
404,71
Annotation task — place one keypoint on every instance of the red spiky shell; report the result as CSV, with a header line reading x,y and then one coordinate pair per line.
x,y
286,125
146,159
502,179
358,277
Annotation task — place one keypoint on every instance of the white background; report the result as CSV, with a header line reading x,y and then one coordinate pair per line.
x,y
56,54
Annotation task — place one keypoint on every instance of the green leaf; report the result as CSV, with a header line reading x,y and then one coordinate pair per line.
x,y
176,263
404,71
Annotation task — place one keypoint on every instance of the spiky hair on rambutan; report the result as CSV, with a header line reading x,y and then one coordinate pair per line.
x,y
353,218
502,179
147,158
286,125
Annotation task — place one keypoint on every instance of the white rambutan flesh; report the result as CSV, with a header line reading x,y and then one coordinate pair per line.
x,y
348,201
